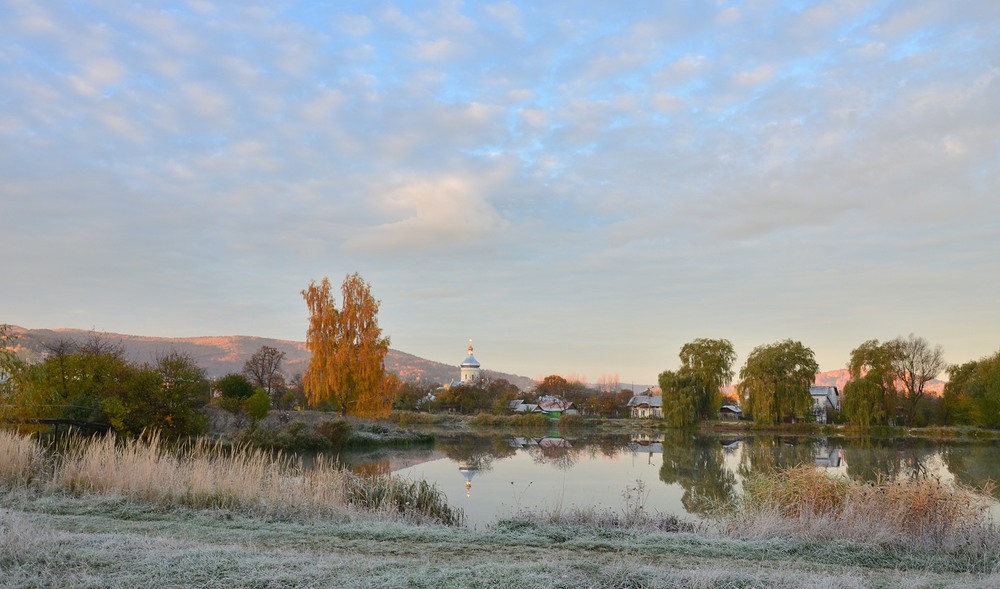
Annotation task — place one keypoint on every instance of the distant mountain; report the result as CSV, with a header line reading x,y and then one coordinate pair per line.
x,y
224,354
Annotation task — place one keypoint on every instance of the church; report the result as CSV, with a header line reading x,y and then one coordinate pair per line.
x,y
470,368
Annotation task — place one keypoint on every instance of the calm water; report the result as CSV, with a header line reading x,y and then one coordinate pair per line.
x,y
683,474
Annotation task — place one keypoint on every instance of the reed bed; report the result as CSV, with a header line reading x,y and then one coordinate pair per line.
x,y
21,459
213,476
805,503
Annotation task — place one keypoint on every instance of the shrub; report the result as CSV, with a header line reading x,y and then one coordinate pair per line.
x,y
571,421
336,431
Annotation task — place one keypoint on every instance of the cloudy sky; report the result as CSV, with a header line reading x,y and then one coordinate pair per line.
x,y
579,187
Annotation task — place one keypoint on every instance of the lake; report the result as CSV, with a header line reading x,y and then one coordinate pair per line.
x,y
491,476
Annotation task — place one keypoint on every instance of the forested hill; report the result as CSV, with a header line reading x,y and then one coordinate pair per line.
x,y
224,354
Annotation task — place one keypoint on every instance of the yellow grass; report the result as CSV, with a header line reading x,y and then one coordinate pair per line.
x,y
807,503
212,476
21,459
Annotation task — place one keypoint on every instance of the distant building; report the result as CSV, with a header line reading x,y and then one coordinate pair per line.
x,y
826,399
646,406
730,412
471,371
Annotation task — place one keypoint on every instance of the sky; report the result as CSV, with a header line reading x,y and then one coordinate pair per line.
x,y
578,187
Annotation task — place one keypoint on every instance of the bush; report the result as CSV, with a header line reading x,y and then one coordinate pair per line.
x,y
571,421
336,431
526,420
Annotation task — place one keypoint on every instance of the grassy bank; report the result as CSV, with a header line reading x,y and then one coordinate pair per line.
x,y
105,513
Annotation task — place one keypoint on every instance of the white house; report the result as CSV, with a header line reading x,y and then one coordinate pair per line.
x,y
646,406
825,399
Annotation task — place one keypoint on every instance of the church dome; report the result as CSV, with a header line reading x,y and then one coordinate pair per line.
x,y
470,360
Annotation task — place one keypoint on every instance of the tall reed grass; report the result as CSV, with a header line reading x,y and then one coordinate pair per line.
x,y
212,476
805,503
21,459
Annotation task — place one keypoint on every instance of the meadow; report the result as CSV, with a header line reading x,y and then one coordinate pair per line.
x,y
102,512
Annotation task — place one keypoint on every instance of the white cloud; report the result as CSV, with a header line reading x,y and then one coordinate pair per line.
x,y
508,15
437,50
428,213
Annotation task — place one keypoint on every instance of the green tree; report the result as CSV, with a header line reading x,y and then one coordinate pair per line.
x,y
347,367
681,397
973,391
235,386
710,363
870,397
775,381
258,406
693,393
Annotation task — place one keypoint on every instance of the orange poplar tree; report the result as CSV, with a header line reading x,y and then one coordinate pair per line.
x,y
347,368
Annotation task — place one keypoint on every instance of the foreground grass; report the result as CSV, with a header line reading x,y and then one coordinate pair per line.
x,y
95,520
99,542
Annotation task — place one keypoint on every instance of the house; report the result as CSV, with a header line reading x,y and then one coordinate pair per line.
x,y
826,399
646,406
553,406
547,406
730,412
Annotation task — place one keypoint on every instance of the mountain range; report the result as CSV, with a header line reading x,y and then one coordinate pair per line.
x,y
224,354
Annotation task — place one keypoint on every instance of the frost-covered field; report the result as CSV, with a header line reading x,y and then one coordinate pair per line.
x,y
106,513
76,542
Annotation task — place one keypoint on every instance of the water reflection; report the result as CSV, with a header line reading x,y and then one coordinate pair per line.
x,y
976,466
492,476
697,464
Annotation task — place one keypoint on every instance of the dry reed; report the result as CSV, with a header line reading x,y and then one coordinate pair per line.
x,y
803,502
212,476
21,459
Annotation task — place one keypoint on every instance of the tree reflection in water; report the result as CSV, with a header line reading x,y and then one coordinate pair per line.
x,y
765,454
975,466
697,464
872,459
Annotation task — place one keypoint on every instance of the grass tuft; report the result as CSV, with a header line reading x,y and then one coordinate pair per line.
x,y
924,513
21,459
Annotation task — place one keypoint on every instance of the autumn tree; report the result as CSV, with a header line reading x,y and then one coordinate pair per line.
x,y
916,364
263,369
870,397
347,367
775,381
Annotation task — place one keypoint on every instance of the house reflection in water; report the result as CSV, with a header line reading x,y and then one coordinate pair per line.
x,y
648,445
829,456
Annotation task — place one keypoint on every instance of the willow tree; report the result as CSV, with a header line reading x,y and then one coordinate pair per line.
x,y
347,368
870,396
710,363
693,392
775,381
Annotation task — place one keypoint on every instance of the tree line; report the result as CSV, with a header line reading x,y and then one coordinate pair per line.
x,y
888,384
346,374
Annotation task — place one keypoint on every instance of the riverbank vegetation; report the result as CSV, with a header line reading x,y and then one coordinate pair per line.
x,y
140,513
211,476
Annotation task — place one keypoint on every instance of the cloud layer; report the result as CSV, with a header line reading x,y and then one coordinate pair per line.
x,y
580,187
